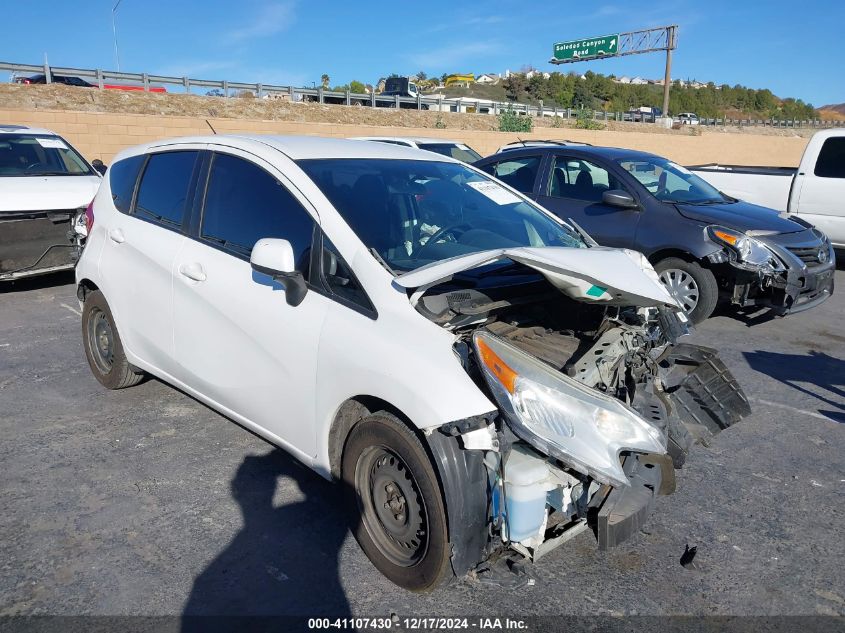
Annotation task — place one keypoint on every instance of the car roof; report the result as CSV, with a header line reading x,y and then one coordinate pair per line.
x,y
301,147
411,139
608,153
9,128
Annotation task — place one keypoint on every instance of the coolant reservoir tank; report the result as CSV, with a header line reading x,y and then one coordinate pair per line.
x,y
526,485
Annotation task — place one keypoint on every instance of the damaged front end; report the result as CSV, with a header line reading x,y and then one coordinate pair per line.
x,y
785,272
597,402
40,242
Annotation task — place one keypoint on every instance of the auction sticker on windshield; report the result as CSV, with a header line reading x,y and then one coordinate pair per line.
x,y
51,143
496,193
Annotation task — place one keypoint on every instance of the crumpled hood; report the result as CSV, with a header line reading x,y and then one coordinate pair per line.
x,y
741,216
602,275
45,193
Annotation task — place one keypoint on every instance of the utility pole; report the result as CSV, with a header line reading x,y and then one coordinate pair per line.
x,y
670,37
114,32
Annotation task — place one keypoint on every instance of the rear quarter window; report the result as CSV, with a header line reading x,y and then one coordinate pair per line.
x,y
122,178
831,162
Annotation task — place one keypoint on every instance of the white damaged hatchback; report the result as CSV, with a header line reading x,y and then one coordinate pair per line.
x,y
476,373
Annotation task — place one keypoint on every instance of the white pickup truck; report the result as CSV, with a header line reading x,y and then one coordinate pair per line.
x,y
815,191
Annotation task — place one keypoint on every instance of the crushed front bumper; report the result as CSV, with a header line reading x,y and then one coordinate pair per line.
x,y
807,281
37,242
616,514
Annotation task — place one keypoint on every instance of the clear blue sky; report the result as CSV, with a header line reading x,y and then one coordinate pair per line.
x,y
795,49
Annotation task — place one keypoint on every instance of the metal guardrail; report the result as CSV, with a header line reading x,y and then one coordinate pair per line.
x,y
437,103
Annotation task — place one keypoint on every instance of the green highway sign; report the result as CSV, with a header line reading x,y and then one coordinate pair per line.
x,y
577,50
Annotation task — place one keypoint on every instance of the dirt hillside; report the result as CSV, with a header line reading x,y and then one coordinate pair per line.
x,y
56,97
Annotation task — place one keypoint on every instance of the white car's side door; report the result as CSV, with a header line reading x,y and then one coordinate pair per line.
x,y
239,344
142,241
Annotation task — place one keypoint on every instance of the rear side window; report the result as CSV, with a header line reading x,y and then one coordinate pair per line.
x,y
244,203
163,192
122,177
831,163
520,173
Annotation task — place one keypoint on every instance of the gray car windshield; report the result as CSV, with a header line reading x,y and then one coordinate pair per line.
x,y
31,155
669,182
413,212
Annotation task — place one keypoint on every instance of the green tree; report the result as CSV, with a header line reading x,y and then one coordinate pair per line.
x,y
515,86
324,81
357,87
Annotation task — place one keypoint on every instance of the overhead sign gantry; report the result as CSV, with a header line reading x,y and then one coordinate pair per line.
x,y
662,38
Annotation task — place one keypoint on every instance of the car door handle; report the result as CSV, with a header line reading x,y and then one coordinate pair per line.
x,y
192,271
116,235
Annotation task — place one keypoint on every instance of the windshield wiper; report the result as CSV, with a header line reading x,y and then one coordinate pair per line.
x,y
381,261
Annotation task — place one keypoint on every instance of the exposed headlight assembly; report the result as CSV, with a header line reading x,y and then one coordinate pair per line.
x,y
562,418
748,253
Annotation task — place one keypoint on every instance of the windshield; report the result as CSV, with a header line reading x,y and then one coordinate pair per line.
x,y
670,182
414,212
32,155
452,150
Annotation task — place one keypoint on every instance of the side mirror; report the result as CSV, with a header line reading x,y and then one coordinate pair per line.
x,y
274,257
99,166
618,198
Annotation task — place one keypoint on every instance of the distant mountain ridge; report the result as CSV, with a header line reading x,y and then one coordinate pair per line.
x,y
835,107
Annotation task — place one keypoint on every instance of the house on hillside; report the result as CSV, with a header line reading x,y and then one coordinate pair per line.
x,y
487,78
639,81
531,73
623,80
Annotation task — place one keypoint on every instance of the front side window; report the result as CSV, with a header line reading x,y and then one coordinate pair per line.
x,y
415,212
669,182
244,203
163,192
831,162
122,177
520,173
580,180
39,155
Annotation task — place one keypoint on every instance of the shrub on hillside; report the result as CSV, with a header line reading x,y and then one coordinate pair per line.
x,y
510,121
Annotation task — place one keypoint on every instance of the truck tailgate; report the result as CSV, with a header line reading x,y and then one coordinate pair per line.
x,y
766,186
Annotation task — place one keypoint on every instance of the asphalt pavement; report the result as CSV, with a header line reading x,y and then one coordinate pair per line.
x,y
146,502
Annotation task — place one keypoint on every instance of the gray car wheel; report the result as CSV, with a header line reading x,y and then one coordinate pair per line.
x,y
692,285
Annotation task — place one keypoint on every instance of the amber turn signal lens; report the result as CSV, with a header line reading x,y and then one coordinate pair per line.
x,y
497,366
730,238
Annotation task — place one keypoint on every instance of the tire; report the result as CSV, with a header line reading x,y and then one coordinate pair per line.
x,y
693,285
103,347
395,505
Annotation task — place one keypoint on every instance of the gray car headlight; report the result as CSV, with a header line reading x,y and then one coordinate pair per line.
x,y
748,252
561,417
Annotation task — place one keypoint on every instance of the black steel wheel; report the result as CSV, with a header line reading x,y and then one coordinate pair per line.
x,y
395,503
103,347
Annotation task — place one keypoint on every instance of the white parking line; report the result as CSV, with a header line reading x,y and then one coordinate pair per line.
x,y
789,408
74,310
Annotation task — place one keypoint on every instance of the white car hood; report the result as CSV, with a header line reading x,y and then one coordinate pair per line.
x,y
603,275
44,193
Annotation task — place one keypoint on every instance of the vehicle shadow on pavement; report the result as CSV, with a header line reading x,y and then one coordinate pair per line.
x,y
798,370
284,561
